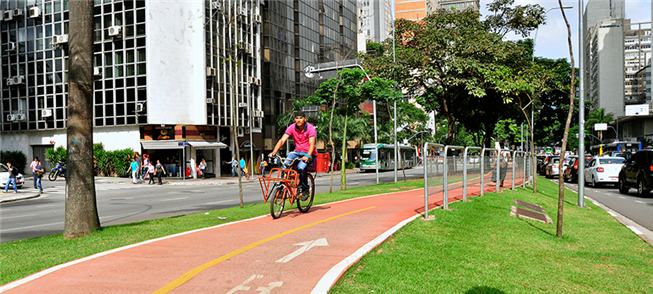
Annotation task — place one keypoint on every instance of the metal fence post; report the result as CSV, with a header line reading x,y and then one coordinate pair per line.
x,y
465,175
513,170
426,179
525,167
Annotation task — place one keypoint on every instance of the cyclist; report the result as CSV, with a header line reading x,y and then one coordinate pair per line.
x,y
304,135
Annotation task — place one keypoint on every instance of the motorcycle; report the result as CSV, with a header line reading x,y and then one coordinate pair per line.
x,y
59,170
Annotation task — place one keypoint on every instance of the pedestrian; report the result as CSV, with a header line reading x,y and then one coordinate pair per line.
x,y
33,166
139,160
234,166
38,174
150,172
146,164
243,168
203,168
13,173
264,164
160,171
134,169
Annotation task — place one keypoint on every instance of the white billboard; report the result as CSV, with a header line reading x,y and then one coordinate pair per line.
x,y
639,109
600,127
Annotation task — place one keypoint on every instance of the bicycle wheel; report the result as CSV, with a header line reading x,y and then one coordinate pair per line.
x,y
305,205
53,175
277,199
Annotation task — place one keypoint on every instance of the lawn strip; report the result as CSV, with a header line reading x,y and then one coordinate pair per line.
x,y
478,248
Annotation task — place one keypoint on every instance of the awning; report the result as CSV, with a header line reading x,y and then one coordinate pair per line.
x,y
160,144
207,145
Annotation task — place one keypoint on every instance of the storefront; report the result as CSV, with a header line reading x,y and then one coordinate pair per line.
x,y
169,152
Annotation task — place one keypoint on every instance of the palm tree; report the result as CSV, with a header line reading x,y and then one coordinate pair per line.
x,y
597,116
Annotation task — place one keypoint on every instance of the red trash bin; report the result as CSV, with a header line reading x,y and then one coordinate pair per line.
x,y
323,162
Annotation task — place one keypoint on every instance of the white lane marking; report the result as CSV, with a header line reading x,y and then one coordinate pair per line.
x,y
622,197
305,247
641,202
19,216
173,199
30,227
221,201
122,198
262,290
634,230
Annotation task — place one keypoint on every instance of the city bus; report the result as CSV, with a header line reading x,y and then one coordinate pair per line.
x,y
386,158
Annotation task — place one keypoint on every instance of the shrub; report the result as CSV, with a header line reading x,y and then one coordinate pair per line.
x,y
17,159
349,165
56,155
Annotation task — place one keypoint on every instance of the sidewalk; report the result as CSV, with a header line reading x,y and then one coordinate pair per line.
x,y
27,192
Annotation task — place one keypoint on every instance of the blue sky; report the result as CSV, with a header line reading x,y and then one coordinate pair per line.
x,y
551,39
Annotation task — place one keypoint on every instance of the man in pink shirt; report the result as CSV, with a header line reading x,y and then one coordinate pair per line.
x,y
304,136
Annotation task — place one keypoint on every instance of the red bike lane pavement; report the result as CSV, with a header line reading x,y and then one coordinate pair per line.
x,y
297,253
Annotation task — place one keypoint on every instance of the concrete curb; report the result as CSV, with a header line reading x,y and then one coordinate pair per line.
x,y
11,197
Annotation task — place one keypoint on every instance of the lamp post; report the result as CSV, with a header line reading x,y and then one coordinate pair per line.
x,y
310,72
581,107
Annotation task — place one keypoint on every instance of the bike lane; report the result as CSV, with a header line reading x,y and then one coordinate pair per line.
x,y
292,254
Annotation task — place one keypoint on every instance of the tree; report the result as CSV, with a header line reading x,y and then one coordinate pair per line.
x,y
597,116
561,186
81,206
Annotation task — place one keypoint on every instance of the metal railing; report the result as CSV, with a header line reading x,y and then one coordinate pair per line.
x,y
443,163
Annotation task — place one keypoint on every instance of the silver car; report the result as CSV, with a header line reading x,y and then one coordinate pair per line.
x,y
4,175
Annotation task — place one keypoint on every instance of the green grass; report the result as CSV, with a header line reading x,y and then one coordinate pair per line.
x,y
478,248
24,257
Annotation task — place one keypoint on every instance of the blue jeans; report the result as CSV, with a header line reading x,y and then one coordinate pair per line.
x,y
234,171
301,166
35,178
38,181
13,182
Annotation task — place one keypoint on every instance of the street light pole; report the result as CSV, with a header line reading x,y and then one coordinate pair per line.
x,y
581,106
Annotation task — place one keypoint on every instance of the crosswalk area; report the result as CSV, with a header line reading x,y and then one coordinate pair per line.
x,y
98,187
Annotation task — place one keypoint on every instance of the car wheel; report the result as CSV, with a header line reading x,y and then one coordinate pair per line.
x,y
623,189
594,183
641,190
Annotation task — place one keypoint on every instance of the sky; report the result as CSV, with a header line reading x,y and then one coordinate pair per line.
x,y
551,41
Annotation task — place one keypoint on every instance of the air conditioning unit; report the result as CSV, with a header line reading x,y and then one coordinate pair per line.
x,y
11,46
241,132
21,117
249,48
15,80
18,12
255,81
242,104
97,71
246,130
46,112
242,11
259,113
115,31
140,107
257,18
11,117
8,15
211,72
210,100
2,15
35,12
216,5
59,40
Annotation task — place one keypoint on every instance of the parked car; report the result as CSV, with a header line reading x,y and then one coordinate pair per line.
x,y
552,168
571,173
603,170
637,172
542,161
4,175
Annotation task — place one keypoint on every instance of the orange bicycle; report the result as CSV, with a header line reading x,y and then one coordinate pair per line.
x,y
285,186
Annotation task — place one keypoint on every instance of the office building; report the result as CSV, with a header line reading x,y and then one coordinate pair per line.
x,y
637,53
163,86
459,4
375,20
412,9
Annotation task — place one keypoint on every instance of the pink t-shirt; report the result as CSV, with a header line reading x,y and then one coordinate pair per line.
x,y
301,136
33,166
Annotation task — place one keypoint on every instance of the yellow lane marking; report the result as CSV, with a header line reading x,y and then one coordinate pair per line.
x,y
194,272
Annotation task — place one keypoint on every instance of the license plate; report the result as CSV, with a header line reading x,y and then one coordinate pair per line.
x,y
614,178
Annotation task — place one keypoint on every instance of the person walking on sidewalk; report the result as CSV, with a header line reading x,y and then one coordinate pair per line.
x,y
32,165
150,172
146,164
134,168
139,160
38,174
160,171
203,168
304,135
234,166
264,164
243,168
13,173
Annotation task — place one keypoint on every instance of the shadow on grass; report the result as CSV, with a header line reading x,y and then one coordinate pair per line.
x,y
483,290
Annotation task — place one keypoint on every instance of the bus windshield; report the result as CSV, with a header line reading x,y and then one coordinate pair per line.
x,y
368,155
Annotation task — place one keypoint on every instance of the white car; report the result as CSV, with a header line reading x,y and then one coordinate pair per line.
x,y
4,175
603,170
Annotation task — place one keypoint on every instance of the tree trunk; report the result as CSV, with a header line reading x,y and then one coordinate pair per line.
x,y
343,172
333,147
81,206
561,186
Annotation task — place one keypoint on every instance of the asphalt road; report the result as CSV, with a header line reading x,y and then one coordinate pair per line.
x,y
126,203
638,209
